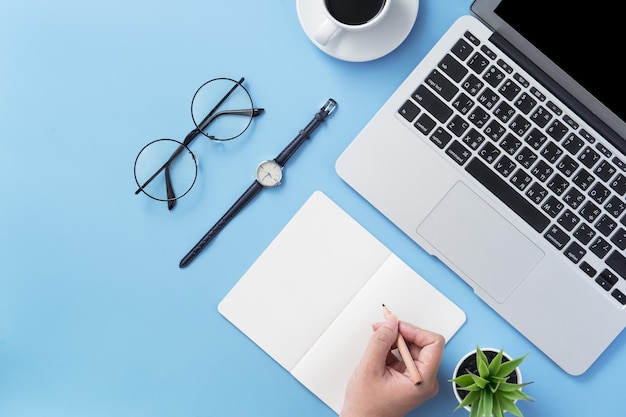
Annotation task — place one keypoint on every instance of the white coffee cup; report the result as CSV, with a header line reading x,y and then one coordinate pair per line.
x,y
349,15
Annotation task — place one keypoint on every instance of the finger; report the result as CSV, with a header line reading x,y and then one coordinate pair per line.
x,y
379,346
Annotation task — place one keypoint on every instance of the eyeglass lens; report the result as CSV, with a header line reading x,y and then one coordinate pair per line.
x,y
222,109
175,176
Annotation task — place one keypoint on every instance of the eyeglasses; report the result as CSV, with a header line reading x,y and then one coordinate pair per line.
x,y
221,110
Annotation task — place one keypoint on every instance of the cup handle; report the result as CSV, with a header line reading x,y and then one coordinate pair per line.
x,y
326,31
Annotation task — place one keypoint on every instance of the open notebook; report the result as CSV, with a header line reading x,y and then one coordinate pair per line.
x,y
310,298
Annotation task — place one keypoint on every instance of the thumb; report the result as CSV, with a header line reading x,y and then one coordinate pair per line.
x,y
380,344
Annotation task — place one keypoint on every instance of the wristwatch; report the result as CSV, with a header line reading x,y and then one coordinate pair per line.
x,y
268,174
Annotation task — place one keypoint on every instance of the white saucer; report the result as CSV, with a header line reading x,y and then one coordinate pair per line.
x,y
361,46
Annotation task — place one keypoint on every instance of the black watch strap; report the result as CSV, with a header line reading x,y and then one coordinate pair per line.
x,y
305,133
241,202
256,186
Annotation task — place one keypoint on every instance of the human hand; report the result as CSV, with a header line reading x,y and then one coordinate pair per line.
x,y
381,385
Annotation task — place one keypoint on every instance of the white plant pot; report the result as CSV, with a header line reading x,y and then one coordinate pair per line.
x,y
488,351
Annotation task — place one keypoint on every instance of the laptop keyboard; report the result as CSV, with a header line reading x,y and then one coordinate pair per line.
x,y
531,153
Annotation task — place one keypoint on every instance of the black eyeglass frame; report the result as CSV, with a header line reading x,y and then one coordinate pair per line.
x,y
199,129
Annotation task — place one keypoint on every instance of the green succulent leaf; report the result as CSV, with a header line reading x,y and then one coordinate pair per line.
x,y
486,403
497,408
464,380
481,362
469,400
510,366
480,382
510,406
494,366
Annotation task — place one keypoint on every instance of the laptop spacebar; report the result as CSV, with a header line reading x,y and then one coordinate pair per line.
x,y
508,195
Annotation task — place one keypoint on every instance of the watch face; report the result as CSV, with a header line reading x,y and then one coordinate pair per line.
x,y
269,173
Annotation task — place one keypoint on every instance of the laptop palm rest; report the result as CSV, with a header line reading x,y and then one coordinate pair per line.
x,y
462,220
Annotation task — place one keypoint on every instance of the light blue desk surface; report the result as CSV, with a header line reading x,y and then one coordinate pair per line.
x,y
96,318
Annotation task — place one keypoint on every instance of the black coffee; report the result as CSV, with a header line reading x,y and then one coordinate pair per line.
x,y
354,12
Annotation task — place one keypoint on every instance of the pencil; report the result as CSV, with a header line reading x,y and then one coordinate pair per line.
x,y
405,354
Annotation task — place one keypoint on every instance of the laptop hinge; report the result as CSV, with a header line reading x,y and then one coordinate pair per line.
x,y
536,72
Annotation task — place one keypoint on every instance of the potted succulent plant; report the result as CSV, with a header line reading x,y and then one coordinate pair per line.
x,y
487,382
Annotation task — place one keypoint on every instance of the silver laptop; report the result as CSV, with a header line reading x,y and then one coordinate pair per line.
x,y
494,158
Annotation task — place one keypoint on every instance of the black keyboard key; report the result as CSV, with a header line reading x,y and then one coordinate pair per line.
x,y
433,105
619,238
589,157
599,193
557,184
505,166
552,206
600,247
574,252
526,158
489,152
584,234
510,144
478,62
557,130
459,153
463,103
504,112
541,116
493,76
479,117
536,139
494,130
521,180
605,171
617,261
606,279
619,184
615,207
473,139
567,166
472,85
440,137
525,102
568,220
589,211
556,237
536,193
453,68
441,85
551,152
572,143
619,296
409,111
457,125
488,98
509,90
555,109
462,49
588,269
606,225
425,124
573,198
542,171
583,179
508,195
519,125
471,37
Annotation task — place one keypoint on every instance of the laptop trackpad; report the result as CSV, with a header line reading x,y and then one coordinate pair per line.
x,y
480,242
